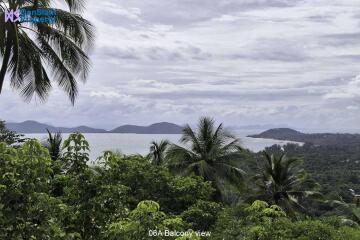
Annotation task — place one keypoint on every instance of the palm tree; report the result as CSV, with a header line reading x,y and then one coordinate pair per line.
x,y
281,182
157,152
210,152
31,51
53,144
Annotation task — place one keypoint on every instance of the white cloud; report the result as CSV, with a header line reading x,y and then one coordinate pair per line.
x,y
351,107
242,62
349,91
116,8
226,18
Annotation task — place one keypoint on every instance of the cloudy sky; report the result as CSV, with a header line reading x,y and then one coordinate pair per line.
x,y
244,62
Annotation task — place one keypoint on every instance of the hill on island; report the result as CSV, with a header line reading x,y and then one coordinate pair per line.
x,y
36,127
339,139
157,128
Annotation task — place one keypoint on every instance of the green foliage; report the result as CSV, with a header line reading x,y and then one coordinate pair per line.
x,y
336,168
27,210
263,222
260,210
202,215
146,217
281,182
192,236
175,194
53,144
157,152
212,153
9,137
93,201
77,153
349,212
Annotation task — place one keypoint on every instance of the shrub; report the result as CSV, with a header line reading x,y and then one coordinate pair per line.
x,y
202,215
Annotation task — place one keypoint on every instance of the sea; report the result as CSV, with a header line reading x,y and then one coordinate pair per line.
x,y
140,143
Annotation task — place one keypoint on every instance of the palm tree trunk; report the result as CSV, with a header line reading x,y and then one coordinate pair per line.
x,y
5,63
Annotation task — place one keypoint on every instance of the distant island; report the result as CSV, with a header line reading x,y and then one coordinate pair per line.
x,y
339,139
36,127
157,128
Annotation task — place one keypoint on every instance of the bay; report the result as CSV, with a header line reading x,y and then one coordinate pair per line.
x,y
140,143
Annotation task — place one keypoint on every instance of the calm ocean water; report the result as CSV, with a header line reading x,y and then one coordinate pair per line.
x,y
139,143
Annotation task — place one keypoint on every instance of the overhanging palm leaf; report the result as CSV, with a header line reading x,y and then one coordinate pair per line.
x,y
210,152
30,51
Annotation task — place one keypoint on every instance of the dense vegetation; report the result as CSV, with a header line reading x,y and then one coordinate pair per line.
x,y
209,185
335,168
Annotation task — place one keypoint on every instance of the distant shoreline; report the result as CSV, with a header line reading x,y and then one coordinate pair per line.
x,y
321,139
33,127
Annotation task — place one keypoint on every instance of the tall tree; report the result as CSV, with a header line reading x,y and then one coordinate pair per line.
x,y
157,152
210,152
32,50
281,181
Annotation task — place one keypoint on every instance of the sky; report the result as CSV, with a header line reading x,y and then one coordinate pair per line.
x,y
243,62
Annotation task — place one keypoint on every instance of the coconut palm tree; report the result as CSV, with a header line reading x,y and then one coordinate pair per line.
x,y
157,152
281,182
210,152
37,53
53,144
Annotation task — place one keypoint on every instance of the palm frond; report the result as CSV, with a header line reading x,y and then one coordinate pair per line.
x,y
188,136
208,152
53,144
157,152
177,154
33,48
282,180
76,5
28,72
